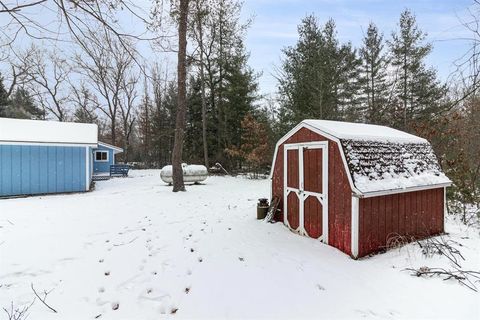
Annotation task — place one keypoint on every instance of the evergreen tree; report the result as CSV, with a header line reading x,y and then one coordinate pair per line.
x,y
374,72
239,95
145,151
23,106
193,146
228,89
319,76
163,122
3,99
83,115
85,103
419,93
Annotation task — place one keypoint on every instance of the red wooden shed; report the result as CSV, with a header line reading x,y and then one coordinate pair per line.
x,y
354,186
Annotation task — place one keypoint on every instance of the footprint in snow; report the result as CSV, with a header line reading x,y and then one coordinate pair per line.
x,y
101,290
319,287
107,273
200,259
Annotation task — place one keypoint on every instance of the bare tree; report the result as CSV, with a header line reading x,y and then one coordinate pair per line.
x,y
79,17
106,64
466,77
47,74
200,13
178,183
127,111
85,103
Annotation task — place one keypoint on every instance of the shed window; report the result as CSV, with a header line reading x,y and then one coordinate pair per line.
x,y
101,156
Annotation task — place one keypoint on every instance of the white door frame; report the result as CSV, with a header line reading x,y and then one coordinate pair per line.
x,y
300,192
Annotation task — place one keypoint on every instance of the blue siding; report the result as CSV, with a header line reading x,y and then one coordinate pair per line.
x,y
35,169
41,169
16,170
103,166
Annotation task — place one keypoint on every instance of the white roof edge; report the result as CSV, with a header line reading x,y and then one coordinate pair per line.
x,y
403,190
100,143
362,131
25,131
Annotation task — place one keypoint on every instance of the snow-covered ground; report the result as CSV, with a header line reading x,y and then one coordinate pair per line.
x,y
202,254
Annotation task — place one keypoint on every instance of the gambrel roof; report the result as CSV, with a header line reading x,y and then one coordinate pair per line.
x,y
379,159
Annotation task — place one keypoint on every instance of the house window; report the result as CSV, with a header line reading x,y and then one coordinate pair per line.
x,y
101,156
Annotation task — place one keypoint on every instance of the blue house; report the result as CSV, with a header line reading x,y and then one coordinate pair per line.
x,y
40,157
104,157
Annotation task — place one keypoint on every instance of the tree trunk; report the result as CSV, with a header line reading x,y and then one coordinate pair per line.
x,y
204,103
113,132
177,174
405,81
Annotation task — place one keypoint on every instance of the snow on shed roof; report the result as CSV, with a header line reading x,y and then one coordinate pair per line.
x,y
382,159
361,131
47,132
377,166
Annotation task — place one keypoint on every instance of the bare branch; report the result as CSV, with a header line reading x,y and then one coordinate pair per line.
x,y
45,294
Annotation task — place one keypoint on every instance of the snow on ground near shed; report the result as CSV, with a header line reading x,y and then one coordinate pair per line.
x,y
134,243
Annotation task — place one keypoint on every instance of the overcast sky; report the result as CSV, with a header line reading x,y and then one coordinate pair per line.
x,y
275,26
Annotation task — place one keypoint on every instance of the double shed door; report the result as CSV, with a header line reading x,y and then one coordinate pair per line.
x,y
306,189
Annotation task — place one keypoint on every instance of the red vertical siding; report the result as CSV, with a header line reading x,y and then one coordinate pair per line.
x,y
418,214
339,191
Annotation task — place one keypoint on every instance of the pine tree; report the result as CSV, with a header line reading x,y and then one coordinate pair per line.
x,y
163,122
145,128
374,72
3,99
303,77
239,95
23,106
418,91
319,76
228,89
193,132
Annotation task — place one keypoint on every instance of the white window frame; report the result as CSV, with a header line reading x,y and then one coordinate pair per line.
x,y
102,151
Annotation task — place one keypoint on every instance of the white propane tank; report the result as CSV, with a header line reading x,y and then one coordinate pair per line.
x,y
191,173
